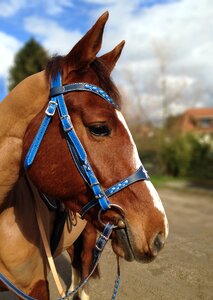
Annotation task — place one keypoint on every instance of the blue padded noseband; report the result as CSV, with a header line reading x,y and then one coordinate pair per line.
x,y
76,149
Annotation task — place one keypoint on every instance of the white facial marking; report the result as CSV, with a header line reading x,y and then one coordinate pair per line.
x,y
157,202
135,157
137,163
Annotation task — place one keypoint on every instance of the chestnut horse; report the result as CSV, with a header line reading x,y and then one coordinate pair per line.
x,y
112,155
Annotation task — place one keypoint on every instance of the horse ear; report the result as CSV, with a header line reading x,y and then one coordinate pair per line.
x,y
110,59
84,52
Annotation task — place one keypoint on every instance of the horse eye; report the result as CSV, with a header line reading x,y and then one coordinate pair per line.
x,y
99,130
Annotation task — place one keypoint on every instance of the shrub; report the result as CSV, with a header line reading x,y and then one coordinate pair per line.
x,y
188,155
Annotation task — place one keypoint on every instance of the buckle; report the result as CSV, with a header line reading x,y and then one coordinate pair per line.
x,y
50,110
66,123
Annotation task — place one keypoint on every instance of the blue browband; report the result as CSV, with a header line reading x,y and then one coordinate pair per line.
x,y
76,149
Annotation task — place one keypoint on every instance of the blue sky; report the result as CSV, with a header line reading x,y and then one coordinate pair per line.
x,y
177,31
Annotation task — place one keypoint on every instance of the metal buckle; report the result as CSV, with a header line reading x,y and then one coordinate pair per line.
x,y
104,237
116,206
99,196
52,112
98,248
67,122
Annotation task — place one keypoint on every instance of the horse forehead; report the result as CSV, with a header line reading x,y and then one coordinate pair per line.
x,y
135,156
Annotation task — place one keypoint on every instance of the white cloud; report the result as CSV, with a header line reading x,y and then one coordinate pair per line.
x,y
175,84
11,7
56,39
8,47
52,7
182,30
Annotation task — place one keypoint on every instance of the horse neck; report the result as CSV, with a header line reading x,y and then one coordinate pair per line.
x,y
20,204
22,104
16,111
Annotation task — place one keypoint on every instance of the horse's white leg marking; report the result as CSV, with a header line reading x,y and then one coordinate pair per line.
x,y
75,279
84,295
74,284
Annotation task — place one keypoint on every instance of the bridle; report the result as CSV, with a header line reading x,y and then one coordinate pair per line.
x,y
101,197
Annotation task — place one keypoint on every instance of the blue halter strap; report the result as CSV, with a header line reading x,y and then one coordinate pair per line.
x,y
79,156
76,149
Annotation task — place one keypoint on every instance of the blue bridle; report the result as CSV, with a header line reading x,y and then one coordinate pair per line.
x,y
79,156
76,149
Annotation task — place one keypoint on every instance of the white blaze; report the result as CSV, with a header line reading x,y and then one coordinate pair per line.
x,y
137,163
135,157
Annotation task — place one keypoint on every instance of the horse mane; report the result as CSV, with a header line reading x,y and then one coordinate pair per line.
x,y
106,83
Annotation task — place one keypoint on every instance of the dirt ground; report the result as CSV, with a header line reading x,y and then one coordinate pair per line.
x,y
183,270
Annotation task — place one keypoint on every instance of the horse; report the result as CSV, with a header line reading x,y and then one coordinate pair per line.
x,y
135,218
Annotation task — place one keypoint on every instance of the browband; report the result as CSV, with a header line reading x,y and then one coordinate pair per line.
x,y
82,86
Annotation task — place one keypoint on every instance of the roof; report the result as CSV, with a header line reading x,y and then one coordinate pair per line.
x,y
198,119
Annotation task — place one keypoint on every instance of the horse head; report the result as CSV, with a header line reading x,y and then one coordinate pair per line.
x,y
111,152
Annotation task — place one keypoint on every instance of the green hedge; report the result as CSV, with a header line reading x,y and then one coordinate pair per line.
x,y
189,155
185,155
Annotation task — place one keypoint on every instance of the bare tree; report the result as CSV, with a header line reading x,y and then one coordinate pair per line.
x,y
140,113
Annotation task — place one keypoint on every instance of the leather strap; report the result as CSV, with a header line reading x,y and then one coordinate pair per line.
x,y
48,253
49,113
77,150
140,174
45,241
14,289
100,244
82,86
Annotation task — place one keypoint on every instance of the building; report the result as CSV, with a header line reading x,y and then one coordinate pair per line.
x,y
197,120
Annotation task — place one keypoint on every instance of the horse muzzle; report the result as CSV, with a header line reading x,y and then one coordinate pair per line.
x,y
123,245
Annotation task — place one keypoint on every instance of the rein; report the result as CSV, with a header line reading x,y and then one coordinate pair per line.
x,y
101,197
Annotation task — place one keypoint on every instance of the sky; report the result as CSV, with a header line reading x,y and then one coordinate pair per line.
x,y
167,41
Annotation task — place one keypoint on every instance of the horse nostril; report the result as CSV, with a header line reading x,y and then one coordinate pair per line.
x,y
157,244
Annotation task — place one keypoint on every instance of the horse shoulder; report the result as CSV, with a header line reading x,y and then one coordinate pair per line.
x,y
20,256
10,159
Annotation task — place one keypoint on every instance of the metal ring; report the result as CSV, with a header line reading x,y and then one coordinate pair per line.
x,y
111,206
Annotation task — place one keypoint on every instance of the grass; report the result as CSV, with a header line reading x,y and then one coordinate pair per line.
x,y
184,182
161,180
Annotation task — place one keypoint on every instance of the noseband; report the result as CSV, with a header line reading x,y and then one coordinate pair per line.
x,y
77,151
